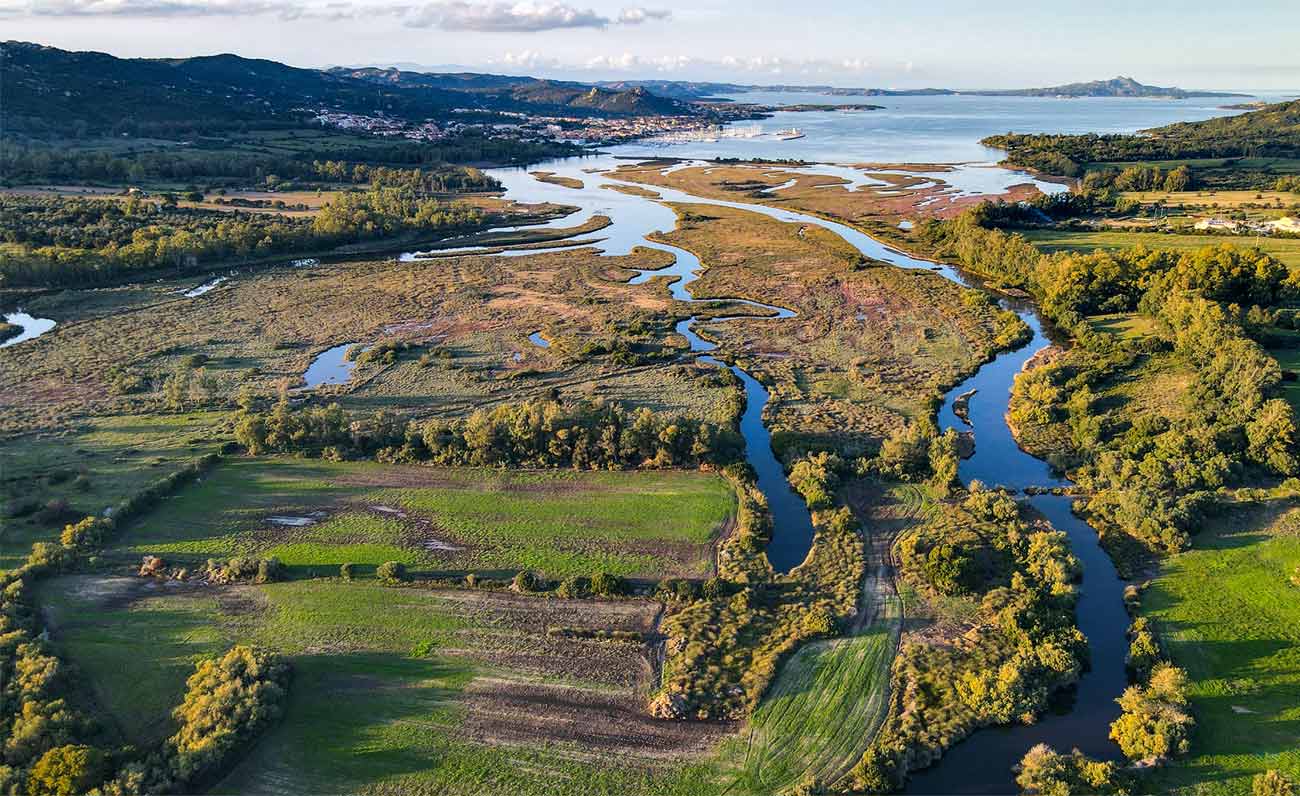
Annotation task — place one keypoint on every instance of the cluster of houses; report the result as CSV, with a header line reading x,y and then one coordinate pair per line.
x,y
1282,226
382,125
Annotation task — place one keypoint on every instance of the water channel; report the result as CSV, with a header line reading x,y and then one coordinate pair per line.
x,y
981,764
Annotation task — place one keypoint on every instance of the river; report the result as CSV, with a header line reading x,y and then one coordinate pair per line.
x,y
981,764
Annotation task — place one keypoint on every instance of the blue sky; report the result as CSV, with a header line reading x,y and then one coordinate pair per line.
x,y
1194,44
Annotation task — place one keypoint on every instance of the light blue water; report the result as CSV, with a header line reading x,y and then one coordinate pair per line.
x,y
32,327
330,366
932,129
915,130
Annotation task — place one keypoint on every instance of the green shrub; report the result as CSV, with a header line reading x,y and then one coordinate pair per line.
x,y
606,585
391,572
346,571
525,582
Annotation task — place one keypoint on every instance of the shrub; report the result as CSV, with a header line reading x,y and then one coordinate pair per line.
x,y
574,587
66,771
269,570
1272,783
1155,722
346,571
391,572
1046,772
228,701
525,582
607,585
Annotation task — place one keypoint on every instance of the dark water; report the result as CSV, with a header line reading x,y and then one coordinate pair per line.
x,y
982,763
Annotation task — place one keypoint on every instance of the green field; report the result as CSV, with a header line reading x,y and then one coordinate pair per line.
x,y
387,681
1285,249
90,468
1229,614
645,524
820,714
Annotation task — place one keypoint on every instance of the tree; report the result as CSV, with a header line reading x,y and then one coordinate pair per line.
x,y
391,572
66,771
227,701
1155,722
1272,783
1044,771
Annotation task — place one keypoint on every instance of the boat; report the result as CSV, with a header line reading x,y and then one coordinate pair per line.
x,y
789,135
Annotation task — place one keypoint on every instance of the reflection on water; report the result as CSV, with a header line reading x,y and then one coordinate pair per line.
x,y
331,366
982,763
32,327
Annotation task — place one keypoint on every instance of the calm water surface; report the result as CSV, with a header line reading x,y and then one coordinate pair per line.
x,y
911,130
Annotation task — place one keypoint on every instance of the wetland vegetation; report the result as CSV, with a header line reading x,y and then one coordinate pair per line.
x,y
524,544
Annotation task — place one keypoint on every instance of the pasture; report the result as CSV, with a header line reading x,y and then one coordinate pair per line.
x,y
1286,250
316,515
1227,612
396,690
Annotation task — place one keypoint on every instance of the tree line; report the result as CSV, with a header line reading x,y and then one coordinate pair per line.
x,y
543,433
57,241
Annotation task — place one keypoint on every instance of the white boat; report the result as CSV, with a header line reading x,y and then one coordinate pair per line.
x,y
789,135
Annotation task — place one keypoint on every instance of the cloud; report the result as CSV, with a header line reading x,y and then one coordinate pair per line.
x,y
449,15
151,8
636,15
504,17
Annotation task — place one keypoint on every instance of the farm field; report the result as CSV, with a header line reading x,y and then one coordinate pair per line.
x,y
1285,249
48,480
316,515
430,691
819,715
1240,644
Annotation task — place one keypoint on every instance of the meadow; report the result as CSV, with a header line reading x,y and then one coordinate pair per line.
x,y
426,689
819,716
1239,641
316,515
1285,249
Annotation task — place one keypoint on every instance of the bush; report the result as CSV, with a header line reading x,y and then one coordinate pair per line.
x,y
1044,771
574,587
391,572
228,701
606,585
346,571
525,582
1272,783
270,570
1155,723
66,771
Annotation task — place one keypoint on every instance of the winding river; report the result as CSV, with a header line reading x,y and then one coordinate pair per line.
x,y
981,764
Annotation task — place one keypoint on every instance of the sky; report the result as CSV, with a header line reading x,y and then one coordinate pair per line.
x,y
850,43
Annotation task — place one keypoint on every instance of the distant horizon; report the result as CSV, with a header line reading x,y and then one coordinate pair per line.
x,y
586,76
839,43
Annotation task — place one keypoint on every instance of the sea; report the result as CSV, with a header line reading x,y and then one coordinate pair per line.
x,y
937,129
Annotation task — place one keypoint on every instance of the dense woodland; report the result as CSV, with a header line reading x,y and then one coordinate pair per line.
x,y
48,241
1272,132
1152,480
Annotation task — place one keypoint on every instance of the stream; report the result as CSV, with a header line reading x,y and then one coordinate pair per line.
x,y
982,763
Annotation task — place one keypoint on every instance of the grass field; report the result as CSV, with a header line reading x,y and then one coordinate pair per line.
x,y
1126,325
90,468
1285,249
1229,614
394,690
561,523
820,714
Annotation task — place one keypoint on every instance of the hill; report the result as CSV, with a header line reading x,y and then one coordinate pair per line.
x,y
1270,132
1115,87
51,92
